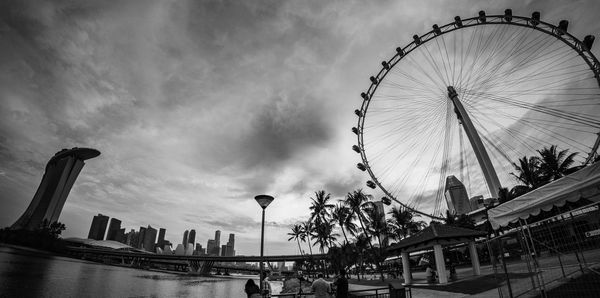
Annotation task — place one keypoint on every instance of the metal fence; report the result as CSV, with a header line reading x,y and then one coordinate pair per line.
x,y
366,293
554,257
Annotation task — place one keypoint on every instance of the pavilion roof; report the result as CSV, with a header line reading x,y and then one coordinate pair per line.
x,y
435,234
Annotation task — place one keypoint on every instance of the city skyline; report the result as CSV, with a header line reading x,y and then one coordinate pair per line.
x,y
197,107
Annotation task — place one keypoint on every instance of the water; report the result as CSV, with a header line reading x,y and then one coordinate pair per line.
x,y
29,274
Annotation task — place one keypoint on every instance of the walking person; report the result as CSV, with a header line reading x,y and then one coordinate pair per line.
x,y
266,286
252,290
341,285
320,287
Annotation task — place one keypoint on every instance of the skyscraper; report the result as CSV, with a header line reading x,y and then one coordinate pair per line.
x,y
217,239
185,239
456,196
150,239
231,246
98,227
141,237
113,229
192,237
60,175
223,250
161,238
210,247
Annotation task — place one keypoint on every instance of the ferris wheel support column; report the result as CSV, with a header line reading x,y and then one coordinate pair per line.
x,y
491,178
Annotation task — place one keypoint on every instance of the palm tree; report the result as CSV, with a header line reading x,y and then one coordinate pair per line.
x,y
297,234
402,223
324,235
355,202
307,229
344,217
320,207
555,165
528,172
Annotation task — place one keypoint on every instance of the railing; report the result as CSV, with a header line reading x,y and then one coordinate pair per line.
x,y
383,292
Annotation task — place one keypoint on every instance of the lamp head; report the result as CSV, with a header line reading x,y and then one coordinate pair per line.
x,y
264,200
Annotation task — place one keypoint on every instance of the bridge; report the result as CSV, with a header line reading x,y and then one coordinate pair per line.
x,y
201,264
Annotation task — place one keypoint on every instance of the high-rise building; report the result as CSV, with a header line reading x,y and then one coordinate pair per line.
x,y
210,247
218,239
223,250
98,227
456,196
161,238
60,175
131,238
141,237
192,237
150,239
121,235
113,229
231,246
185,239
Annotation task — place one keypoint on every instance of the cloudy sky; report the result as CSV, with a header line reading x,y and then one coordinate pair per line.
x,y
198,106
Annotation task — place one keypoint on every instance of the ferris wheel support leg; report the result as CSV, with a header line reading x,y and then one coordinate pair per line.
x,y
491,178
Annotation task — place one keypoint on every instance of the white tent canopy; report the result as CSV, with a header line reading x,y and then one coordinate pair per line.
x,y
584,183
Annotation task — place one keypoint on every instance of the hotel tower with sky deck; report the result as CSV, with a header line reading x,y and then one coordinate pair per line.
x,y
60,175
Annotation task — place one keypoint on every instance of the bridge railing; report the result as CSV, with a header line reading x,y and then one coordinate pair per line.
x,y
383,292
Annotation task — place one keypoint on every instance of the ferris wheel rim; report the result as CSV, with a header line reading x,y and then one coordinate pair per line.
x,y
437,31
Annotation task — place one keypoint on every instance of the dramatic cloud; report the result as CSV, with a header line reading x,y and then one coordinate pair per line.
x,y
198,106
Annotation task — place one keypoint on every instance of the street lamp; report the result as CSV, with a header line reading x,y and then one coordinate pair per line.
x,y
263,201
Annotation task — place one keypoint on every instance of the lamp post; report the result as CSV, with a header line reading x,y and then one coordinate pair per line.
x,y
263,201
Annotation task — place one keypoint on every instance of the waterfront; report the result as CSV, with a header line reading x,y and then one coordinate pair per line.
x,y
29,274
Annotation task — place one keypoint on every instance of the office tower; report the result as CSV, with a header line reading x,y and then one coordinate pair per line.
x,y
185,239
210,247
150,239
120,235
456,196
141,238
218,239
60,175
231,246
113,229
192,237
131,238
161,238
98,227
223,250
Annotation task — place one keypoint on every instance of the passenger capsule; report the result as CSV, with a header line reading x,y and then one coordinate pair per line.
x,y
508,15
535,18
562,27
400,51
364,96
371,184
386,201
417,39
482,16
358,113
355,148
385,65
355,130
436,29
361,167
588,41
373,80
458,21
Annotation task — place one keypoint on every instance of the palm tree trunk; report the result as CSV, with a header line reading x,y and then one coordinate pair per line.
x,y
363,228
299,248
343,232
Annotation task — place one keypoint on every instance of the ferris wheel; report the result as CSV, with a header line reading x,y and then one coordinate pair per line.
x,y
469,99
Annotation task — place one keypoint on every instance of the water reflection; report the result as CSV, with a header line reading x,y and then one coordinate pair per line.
x,y
27,274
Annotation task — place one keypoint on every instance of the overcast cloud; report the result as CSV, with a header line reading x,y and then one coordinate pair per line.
x,y
198,106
